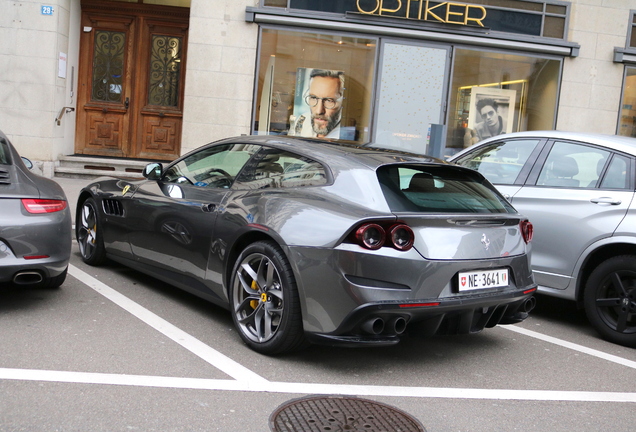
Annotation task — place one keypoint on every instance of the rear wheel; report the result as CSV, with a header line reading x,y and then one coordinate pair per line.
x,y
610,300
264,298
89,235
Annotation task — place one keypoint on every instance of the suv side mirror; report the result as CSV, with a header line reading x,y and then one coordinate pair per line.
x,y
153,171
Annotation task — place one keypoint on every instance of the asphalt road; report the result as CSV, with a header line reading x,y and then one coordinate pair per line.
x,y
115,350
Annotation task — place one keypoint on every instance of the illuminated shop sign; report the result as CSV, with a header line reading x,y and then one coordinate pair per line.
x,y
425,10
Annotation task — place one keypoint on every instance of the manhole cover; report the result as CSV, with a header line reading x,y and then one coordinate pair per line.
x,y
340,413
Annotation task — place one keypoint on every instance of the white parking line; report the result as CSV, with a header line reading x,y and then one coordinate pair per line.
x,y
309,388
246,380
580,348
210,355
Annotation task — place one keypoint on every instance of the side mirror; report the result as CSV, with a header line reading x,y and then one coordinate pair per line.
x,y
153,171
27,162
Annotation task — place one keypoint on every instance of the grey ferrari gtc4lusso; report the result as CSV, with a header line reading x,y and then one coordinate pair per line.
x,y
310,241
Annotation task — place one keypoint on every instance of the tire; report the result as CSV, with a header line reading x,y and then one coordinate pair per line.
x,y
55,282
264,300
88,231
610,300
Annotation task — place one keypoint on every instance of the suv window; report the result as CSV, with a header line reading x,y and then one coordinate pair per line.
x,y
275,168
573,165
439,189
616,176
502,161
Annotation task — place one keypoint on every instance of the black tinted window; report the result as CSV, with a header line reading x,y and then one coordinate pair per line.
x,y
4,153
439,189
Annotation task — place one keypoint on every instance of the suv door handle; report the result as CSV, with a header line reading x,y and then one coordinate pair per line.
x,y
208,208
606,200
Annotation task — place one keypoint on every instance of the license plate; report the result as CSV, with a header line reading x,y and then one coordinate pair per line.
x,y
482,279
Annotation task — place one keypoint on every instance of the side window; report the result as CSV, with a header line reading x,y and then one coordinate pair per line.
x,y
573,165
3,154
274,168
500,162
616,176
215,166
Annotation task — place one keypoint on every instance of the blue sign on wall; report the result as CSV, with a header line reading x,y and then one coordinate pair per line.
x,y
47,10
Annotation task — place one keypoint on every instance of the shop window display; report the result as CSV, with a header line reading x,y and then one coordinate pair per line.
x,y
312,84
495,93
627,121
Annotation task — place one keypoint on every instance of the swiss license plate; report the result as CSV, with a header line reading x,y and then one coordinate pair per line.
x,y
481,279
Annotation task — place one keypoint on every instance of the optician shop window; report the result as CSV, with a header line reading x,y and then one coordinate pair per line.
x,y
314,84
627,120
494,93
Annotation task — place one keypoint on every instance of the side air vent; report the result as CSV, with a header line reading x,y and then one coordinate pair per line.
x,y
4,177
113,207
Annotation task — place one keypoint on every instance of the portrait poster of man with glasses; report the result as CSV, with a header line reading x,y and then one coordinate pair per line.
x,y
318,104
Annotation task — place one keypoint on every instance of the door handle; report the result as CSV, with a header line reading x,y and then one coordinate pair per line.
x,y
127,103
208,208
606,200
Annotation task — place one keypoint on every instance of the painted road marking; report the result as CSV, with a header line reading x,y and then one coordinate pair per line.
x,y
192,344
565,344
246,380
309,388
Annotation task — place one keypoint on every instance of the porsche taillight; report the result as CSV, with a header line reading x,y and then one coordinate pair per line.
x,y
527,230
38,206
372,235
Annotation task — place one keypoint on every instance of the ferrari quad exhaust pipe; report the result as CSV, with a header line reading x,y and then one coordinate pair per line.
x,y
397,325
27,278
377,325
528,305
373,326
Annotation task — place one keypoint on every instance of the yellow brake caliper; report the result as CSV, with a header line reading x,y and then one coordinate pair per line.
x,y
254,303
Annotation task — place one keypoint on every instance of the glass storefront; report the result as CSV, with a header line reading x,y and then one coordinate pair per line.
x,y
312,84
494,93
627,120
394,92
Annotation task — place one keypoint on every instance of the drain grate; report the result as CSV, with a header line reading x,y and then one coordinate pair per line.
x,y
340,414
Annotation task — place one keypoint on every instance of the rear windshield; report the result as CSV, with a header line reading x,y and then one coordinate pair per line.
x,y
439,189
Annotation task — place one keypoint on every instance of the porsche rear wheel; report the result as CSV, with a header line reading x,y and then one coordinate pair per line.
x,y
89,235
264,298
610,300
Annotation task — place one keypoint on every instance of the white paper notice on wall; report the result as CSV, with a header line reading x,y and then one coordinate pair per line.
x,y
61,65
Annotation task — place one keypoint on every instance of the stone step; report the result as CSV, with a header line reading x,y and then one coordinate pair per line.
x,y
93,167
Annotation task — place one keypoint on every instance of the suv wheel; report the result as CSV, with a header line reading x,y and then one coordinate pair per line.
x,y
610,299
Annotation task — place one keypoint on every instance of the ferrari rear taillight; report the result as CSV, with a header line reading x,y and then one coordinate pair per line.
x,y
373,236
38,206
402,237
527,230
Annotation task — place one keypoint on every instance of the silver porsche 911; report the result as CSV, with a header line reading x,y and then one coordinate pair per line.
x,y
35,225
306,241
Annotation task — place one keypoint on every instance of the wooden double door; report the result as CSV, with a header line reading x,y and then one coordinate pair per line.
x,y
131,80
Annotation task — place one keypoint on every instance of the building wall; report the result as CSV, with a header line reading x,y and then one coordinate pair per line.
x,y
591,84
220,72
30,91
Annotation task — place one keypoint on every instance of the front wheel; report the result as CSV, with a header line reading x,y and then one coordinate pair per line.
x,y
610,300
264,300
89,235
